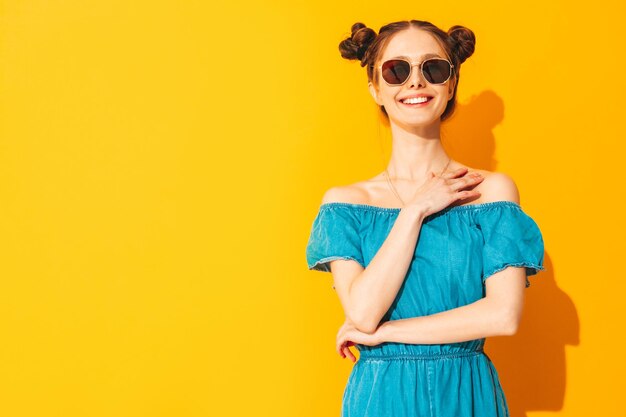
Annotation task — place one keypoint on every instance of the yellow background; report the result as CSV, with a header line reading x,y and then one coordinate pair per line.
x,y
161,163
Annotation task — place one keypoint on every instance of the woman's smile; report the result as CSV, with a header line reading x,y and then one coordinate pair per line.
x,y
416,100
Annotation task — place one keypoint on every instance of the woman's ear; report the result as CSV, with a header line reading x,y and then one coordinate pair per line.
x,y
374,93
451,89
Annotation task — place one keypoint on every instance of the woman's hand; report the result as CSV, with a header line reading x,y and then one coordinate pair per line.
x,y
349,335
438,192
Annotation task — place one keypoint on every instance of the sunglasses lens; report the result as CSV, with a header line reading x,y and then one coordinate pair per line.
x,y
396,71
436,71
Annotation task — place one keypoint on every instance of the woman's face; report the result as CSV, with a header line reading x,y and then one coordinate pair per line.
x,y
414,44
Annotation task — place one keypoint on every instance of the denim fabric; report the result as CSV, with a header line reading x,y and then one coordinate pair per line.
x,y
458,248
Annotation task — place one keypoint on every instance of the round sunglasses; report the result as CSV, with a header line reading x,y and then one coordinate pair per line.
x,y
397,71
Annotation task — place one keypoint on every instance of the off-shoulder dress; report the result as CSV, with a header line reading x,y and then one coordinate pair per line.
x,y
457,249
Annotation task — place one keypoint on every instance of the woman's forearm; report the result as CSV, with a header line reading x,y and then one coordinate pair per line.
x,y
477,320
375,289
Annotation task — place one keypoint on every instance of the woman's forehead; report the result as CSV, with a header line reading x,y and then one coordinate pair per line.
x,y
413,44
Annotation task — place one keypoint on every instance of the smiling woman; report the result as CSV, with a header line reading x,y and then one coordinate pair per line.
x,y
422,285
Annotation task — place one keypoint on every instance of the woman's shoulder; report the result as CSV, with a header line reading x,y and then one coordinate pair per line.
x,y
497,186
348,193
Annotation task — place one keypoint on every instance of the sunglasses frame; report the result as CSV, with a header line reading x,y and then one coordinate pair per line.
x,y
421,65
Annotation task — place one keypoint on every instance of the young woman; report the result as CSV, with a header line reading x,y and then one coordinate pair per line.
x,y
410,250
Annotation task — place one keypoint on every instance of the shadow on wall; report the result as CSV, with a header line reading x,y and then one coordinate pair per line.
x,y
468,134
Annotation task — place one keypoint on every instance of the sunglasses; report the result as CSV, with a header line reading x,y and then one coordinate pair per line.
x,y
397,71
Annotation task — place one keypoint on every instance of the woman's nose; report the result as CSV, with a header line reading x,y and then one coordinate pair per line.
x,y
416,77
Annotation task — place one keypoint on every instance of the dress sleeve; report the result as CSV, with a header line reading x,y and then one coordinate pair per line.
x,y
511,238
334,235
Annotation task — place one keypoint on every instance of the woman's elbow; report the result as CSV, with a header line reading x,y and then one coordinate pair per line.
x,y
367,327
510,322
366,322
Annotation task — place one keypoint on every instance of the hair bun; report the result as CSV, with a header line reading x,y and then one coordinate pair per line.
x,y
356,46
463,42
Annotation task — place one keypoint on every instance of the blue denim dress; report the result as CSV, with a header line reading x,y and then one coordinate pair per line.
x,y
458,248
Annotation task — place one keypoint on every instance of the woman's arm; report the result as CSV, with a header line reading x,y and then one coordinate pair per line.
x,y
497,314
367,293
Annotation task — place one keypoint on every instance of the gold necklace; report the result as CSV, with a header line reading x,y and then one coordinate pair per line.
x,y
393,189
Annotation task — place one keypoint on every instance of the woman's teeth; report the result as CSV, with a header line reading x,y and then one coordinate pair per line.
x,y
415,100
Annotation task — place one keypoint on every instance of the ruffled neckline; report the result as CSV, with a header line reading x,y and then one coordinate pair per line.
x,y
396,210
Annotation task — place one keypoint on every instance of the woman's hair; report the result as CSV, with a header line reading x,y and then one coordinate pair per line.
x,y
366,46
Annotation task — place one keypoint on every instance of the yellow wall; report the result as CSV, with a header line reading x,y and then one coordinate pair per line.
x,y
162,162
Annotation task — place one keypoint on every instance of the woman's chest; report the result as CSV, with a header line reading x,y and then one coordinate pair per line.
x,y
442,242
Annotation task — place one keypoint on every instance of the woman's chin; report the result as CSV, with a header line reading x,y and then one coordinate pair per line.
x,y
416,121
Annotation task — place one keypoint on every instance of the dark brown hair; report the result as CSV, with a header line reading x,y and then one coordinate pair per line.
x,y
366,46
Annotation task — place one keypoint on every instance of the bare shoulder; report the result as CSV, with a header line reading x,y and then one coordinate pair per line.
x,y
351,193
497,186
